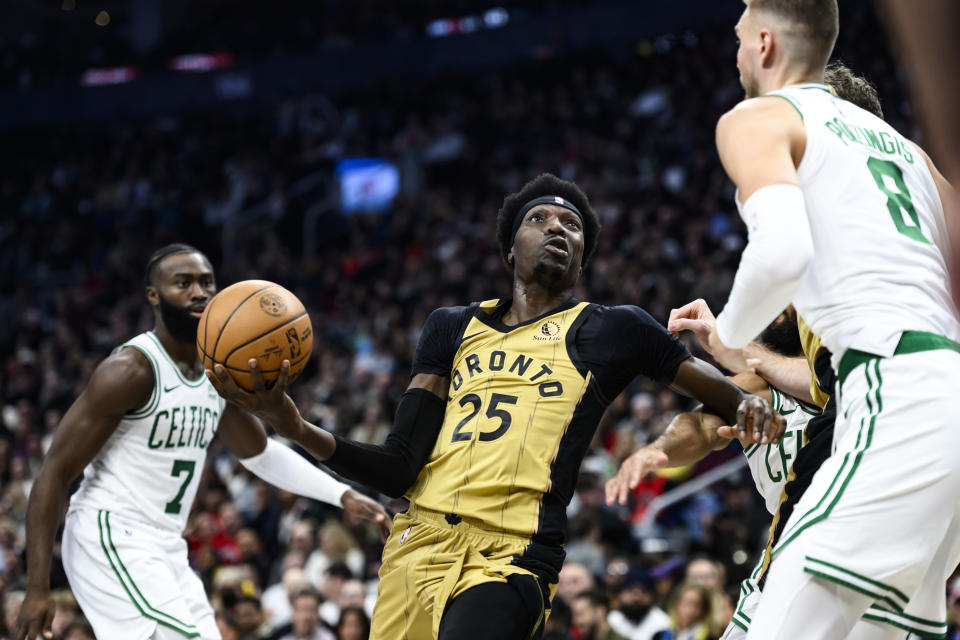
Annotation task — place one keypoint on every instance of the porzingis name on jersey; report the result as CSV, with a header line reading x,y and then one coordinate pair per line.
x,y
881,141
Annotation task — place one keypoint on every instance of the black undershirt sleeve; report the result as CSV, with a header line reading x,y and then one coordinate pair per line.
x,y
392,467
620,343
438,341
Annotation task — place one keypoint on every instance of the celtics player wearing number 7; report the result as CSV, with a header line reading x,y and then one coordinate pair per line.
x,y
140,432
504,399
847,219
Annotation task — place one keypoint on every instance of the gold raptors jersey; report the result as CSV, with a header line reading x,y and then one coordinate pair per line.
x,y
514,392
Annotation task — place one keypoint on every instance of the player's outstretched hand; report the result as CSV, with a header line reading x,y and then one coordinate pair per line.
x,y
35,617
272,405
757,422
694,316
363,507
642,462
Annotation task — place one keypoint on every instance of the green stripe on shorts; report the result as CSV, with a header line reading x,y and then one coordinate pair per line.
x,y
138,600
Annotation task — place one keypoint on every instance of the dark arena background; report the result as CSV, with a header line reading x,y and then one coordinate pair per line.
x,y
357,153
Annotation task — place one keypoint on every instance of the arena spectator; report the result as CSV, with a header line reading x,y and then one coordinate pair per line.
x,y
306,623
636,617
690,615
353,625
590,610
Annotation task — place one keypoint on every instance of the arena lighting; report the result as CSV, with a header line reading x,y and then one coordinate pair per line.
x,y
491,19
115,75
201,62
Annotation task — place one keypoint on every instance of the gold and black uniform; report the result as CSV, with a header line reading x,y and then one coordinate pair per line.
x,y
523,404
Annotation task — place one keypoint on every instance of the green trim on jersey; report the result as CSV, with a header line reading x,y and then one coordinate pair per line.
x,y
793,103
777,400
184,379
167,620
151,405
816,85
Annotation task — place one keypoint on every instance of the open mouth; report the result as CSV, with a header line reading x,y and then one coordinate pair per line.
x,y
196,312
557,247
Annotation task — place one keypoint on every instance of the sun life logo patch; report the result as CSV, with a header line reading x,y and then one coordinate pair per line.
x,y
549,331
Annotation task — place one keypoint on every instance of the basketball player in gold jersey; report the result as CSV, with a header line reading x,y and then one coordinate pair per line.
x,y
504,399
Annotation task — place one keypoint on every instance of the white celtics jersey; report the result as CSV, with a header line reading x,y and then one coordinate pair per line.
x,y
771,464
879,233
150,468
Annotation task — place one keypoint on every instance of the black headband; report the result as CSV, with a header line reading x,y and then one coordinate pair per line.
x,y
555,200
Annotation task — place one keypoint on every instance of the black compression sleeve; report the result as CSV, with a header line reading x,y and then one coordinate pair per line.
x,y
392,467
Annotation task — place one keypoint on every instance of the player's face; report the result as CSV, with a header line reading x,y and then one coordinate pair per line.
x,y
748,53
183,283
549,246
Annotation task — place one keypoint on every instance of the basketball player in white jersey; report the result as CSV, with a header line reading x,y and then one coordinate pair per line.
x,y
692,436
846,219
140,432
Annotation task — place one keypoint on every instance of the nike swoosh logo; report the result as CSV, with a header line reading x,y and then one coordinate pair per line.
x,y
473,335
166,390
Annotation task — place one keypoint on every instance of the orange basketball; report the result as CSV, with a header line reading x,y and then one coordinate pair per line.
x,y
255,319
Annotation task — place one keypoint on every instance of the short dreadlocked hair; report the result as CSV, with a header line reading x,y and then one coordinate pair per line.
x,y
547,184
163,252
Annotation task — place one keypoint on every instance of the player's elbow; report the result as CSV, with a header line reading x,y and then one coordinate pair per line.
x,y
794,260
398,487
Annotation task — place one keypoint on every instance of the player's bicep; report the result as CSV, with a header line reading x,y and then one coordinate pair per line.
x,y
119,385
754,141
437,385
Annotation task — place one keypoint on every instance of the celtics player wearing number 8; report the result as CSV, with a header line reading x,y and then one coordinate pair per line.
x,y
139,432
847,219
504,399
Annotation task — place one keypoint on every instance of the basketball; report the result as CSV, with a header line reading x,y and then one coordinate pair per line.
x,y
255,319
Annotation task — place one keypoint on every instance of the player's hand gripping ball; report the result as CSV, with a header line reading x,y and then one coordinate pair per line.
x,y
255,319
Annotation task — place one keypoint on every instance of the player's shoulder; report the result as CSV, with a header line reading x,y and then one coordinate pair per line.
x,y
445,315
449,320
625,316
125,376
128,361
773,108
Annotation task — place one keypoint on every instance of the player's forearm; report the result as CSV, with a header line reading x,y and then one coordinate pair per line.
x,y
697,379
790,375
688,438
43,517
318,442
284,468
392,467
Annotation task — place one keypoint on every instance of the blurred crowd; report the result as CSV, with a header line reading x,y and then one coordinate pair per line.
x,y
52,44
83,208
